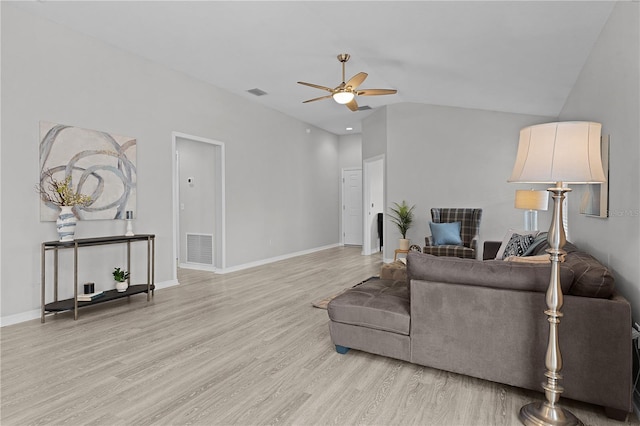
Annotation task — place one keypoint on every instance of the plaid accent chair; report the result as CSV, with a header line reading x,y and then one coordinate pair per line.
x,y
469,229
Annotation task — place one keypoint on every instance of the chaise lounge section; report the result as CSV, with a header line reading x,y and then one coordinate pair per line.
x,y
485,319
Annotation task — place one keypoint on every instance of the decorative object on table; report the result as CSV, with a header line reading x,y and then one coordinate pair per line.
x,y
100,164
560,153
531,201
129,219
89,288
595,200
62,195
402,216
121,278
90,296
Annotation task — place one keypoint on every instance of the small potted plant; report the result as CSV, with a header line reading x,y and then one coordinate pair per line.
x,y
402,215
121,278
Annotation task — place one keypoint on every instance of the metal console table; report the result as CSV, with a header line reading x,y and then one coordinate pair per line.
x,y
74,304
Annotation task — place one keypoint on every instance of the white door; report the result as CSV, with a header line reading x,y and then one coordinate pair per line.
x,y
352,207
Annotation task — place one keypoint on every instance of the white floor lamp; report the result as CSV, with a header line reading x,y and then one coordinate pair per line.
x,y
564,152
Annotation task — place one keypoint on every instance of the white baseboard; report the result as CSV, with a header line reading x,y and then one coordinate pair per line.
x,y
273,259
18,318
197,267
35,314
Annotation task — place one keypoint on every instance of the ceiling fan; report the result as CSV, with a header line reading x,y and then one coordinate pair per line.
x,y
345,93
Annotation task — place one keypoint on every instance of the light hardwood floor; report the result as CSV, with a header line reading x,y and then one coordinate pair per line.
x,y
238,349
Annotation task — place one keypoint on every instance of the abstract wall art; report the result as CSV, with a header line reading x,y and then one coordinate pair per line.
x,y
101,165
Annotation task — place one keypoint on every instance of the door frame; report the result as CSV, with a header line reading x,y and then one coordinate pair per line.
x,y
220,220
343,210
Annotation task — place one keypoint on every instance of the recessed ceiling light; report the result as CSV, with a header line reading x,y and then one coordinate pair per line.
x,y
349,128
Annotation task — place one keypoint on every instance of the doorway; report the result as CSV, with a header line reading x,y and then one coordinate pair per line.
x,y
352,207
198,203
373,182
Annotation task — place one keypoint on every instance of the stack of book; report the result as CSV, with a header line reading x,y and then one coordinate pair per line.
x,y
90,296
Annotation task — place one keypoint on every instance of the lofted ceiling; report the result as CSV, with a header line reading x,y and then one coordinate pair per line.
x,y
515,56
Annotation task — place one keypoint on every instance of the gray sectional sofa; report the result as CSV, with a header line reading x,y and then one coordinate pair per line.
x,y
485,319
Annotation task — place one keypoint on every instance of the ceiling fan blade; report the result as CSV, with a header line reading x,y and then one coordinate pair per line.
x,y
375,92
357,80
353,105
316,86
316,99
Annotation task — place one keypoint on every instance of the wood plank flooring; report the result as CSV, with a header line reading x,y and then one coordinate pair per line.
x,y
245,348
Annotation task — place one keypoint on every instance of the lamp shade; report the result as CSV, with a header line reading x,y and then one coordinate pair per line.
x,y
566,151
343,97
532,200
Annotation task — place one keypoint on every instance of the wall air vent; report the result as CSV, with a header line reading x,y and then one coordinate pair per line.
x,y
257,92
364,108
200,249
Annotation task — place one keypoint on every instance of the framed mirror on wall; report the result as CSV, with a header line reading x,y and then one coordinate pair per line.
x,y
595,200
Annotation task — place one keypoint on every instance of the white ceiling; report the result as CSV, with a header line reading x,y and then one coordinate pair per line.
x,y
516,56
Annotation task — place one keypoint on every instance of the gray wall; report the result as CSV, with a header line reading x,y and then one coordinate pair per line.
x,y
281,185
441,156
350,151
608,91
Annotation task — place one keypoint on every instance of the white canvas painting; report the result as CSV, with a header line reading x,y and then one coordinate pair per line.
x,y
101,165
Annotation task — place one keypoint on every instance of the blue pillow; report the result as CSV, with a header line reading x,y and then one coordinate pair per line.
x,y
446,233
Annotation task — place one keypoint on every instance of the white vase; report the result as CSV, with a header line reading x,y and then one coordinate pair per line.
x,y
66,223
122,286
403,244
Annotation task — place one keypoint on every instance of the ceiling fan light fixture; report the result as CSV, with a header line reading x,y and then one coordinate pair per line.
x,y
343,97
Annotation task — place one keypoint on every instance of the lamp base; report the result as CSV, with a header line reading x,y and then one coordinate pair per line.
x,y
543,414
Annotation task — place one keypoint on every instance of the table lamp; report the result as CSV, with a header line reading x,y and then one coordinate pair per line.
x,y
563,152
531,201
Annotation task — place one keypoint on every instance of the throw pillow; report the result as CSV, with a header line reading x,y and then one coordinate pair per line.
x,y
517,245
446,233
507,237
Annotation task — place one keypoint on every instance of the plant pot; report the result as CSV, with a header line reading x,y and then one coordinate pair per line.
x,y
66,224
403,244
122,286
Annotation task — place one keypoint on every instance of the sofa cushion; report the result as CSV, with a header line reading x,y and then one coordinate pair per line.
x,y
378,304
592,278
488,273
446,233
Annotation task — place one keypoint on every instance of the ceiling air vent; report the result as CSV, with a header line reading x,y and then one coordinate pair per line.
x,y
364,108
257,92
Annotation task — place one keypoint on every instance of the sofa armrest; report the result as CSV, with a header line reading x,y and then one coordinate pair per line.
x,y
490,249
428,241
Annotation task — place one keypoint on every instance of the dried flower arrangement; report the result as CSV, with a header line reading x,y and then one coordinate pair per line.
x,y
60,193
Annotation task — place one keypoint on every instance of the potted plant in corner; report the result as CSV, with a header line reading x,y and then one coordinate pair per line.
x,y
121,278
402,215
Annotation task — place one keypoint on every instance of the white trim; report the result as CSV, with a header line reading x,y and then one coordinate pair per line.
x,y
273,259
221,232
197,267
35,314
